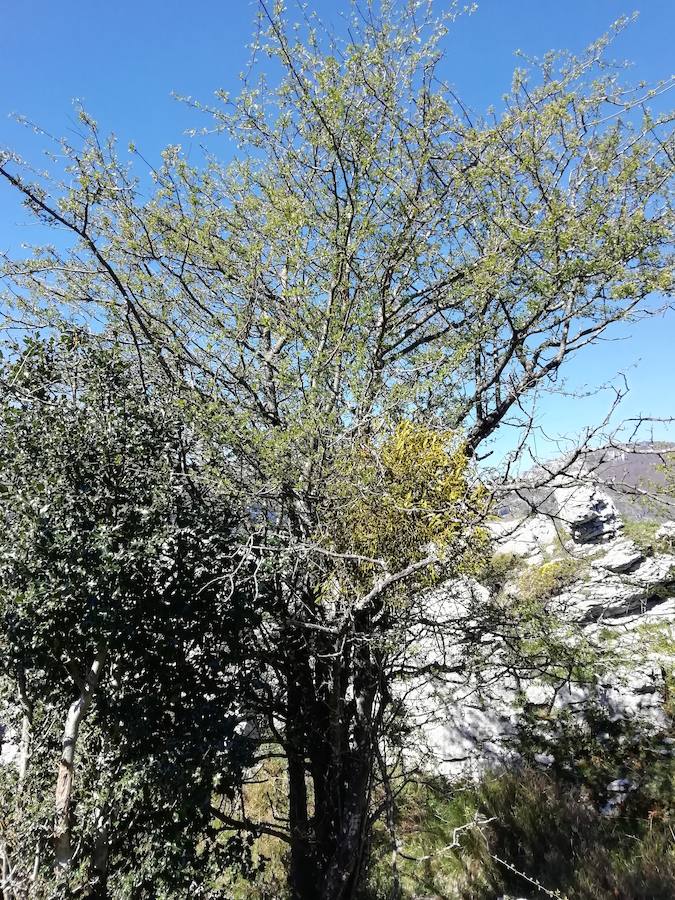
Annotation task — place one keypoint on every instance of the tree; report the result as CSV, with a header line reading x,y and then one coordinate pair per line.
x,y
375,269
121,623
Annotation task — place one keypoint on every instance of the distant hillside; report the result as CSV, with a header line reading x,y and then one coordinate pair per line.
x,y
624,472
635,466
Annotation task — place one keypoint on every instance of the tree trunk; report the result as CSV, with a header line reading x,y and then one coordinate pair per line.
x,y
64,784
338,740
24,751
341,877
6,875
99,857
302,876
26,729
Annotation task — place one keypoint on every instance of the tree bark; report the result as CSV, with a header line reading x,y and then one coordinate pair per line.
x,y
302,876
341,877
99,857
26,729
6,875
64,784
334,741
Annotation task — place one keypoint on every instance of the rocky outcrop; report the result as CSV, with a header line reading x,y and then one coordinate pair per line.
x,y
588,513
529,539
666,533
622,556
608,597
615,591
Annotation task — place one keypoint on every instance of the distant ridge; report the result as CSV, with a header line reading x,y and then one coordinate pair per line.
x,y
626,472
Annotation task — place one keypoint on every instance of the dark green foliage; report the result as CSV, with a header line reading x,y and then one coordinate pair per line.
x,y
110,540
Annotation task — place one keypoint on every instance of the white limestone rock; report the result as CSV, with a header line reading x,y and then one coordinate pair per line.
x,y
607,594
588,512
530,539
468,727
666,532
623,555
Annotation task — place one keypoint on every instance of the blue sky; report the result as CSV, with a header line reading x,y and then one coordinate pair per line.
x,y
123,59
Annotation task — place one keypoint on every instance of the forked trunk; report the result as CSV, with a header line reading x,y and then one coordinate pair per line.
x,y
342,877
303,877
330,867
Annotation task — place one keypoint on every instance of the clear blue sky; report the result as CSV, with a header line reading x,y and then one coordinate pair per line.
x,y
124,58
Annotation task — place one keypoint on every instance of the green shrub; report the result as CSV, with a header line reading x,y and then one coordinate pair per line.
x,y
547,827
499,569
548,830
427,814
551,577
643,533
